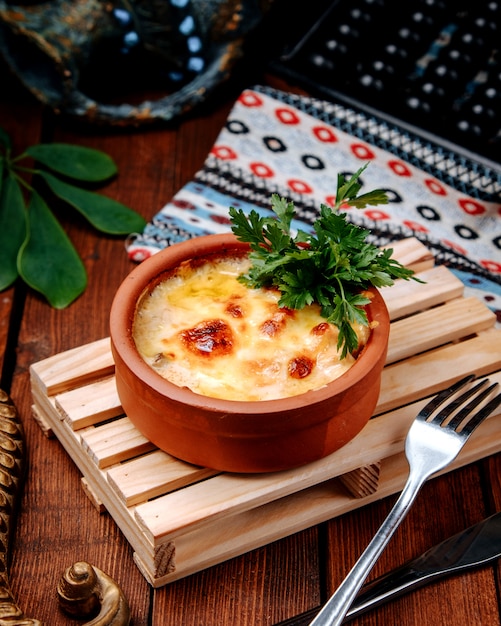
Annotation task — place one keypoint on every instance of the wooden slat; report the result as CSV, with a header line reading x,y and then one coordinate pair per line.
x,y
72,368
114,442
382,442
443,324
413,254
153,475
363,481
90,405
404,382
407,296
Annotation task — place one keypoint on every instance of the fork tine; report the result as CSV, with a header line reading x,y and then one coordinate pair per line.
x,y
440,398
459,401
473,404
479,417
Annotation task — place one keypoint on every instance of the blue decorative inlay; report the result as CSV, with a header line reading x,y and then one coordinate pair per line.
x,y
194,44
122,16
187,25
196,64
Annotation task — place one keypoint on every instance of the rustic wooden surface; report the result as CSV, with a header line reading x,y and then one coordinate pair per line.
x,y
57,524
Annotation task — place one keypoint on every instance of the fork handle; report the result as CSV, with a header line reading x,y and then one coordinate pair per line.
x,y
334,611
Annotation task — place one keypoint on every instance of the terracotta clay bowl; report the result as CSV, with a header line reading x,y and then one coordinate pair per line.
x,y
238,436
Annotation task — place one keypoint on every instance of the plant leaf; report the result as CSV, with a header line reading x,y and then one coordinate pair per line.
x,y
348,189
12,229
103,213
372,198
47,260
78,162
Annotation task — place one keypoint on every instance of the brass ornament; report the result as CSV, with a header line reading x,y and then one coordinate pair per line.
x,y
84,591
12,463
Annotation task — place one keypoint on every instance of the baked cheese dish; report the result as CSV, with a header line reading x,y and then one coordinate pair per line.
x,y
201,328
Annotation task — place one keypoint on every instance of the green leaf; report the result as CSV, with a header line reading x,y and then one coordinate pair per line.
x,y
47,260
78,162
105,214
248,228
347,189
12,229
284,211
372,198
347,192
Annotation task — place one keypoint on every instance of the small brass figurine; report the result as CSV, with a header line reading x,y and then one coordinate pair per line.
x,y
85,591
12,460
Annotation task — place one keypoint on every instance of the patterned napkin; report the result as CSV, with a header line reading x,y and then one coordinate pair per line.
x,y
277,142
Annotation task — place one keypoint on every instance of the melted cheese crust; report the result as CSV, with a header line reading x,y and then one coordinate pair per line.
x,y
201,328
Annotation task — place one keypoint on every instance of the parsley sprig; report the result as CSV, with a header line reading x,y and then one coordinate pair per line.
x,y
332,266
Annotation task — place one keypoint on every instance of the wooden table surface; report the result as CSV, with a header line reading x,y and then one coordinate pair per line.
x,y
57,524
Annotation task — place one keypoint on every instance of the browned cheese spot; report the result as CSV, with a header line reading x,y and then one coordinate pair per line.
x,y
320,329
300,367
209,338
270,328
274,324
234,310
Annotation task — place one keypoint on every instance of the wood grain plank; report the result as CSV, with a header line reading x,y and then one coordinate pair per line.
x,y
153,475
57,525
435,327
429,372
413,254
114,442
406,297
91,404
73,367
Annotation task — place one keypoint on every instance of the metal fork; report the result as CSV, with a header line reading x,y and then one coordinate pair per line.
x,y
433,441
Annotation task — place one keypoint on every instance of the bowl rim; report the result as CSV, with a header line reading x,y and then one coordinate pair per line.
x,y
123,310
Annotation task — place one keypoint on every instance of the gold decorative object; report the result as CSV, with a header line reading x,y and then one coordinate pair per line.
x,y
85,591
12,460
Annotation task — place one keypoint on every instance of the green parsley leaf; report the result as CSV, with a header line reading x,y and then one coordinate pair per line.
x,y
332,266
347,192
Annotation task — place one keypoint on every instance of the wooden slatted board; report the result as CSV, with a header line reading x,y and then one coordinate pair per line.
x,y
180,519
